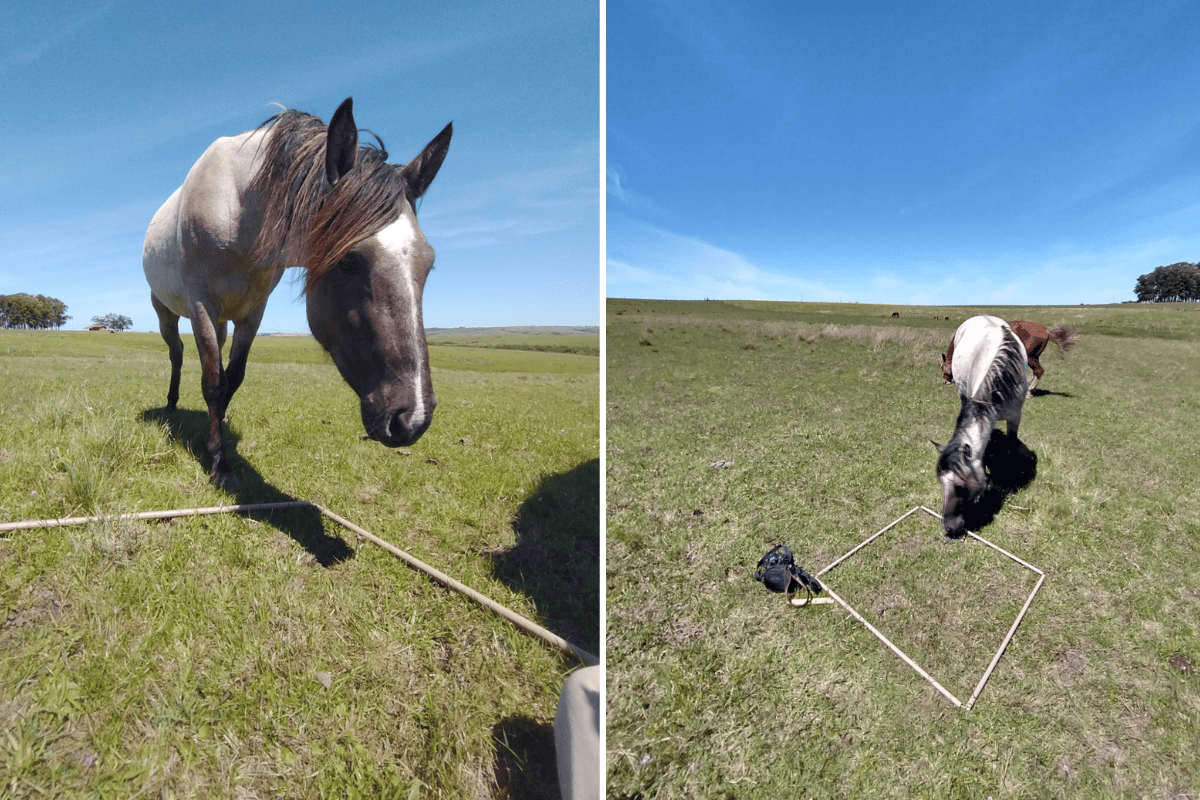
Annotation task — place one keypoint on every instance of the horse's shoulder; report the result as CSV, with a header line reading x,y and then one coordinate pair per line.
x,y
211,194
229,159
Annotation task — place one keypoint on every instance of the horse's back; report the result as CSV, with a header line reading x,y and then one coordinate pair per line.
x,y
199,245
1033,336
978,343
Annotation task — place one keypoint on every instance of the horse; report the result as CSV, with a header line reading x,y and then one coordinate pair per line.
x,y
989,369
1034,336
295,192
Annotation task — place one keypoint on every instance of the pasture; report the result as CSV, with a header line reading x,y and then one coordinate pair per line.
x,y
583,340
275,654
735,426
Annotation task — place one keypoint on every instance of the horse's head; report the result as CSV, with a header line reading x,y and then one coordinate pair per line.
x,y
962,478
947,368
365,310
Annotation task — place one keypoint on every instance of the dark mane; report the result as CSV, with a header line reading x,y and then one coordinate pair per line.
x,y
955,456
1003,381
307,222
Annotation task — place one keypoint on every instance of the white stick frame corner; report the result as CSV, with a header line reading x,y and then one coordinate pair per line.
x,y
1003,645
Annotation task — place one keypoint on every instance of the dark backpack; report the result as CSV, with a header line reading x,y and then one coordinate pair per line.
x,y
779,572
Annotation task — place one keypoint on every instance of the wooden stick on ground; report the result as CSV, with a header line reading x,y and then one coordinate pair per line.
x,y
529,626
1003,645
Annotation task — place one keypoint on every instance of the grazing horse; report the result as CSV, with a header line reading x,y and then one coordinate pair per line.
x,y
989,371
1034,336
294,192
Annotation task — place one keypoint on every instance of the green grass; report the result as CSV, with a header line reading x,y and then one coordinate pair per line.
x,y
275,654
824,412
556,340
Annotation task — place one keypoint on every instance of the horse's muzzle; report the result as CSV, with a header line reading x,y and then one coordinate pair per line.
x,y
399,427
955,525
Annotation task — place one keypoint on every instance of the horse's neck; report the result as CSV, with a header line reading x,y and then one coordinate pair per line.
x,y
975,425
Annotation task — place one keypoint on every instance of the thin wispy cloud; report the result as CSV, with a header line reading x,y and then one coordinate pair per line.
x,y
36,50
659,263
122,112
894,154
556,192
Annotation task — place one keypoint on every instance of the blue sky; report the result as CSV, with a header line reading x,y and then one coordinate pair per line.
x,y
108,104
918,153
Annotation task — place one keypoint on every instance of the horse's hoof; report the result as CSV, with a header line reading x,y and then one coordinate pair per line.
x,y
224,480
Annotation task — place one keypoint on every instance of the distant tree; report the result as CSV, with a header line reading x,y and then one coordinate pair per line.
x,y
114,322
32,311
1179,282
58,312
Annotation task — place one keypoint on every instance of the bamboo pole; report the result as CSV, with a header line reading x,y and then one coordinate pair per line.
x,y
26,525
893,648
529,626
1025,564
521,622
870,539
1003,645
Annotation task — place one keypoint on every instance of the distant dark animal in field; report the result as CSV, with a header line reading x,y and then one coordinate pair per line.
x,y
989,372
1034,337
895,314
294,192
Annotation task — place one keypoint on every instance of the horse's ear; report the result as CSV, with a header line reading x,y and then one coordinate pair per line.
x,y
936,445
341,144
421,171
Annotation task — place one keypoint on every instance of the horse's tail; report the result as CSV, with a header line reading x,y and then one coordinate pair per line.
x,y
1063,336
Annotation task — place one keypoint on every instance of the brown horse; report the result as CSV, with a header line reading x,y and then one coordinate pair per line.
x,y
1034,336
297,193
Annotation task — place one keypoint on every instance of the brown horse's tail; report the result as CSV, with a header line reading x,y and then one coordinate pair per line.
x,y
1063,336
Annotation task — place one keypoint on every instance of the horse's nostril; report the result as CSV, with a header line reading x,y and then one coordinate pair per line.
x,y
407,425
398,424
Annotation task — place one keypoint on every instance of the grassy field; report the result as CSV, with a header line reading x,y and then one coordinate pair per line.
x,y
582,340
822,415
275,654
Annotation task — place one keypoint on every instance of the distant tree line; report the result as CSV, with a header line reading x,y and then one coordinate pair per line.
x,y
114,322
32,311
1170,284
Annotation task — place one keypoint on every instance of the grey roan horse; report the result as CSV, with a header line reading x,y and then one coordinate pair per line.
x,y
989,371
295,193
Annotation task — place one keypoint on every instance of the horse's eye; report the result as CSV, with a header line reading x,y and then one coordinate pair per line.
x,y
350,264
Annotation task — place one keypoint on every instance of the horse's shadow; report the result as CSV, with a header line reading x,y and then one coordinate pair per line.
x,y
556,560
526,761
1011,467
304,525
1047,392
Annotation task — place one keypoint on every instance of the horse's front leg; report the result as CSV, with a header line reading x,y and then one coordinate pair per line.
x,y
1013,425
214,387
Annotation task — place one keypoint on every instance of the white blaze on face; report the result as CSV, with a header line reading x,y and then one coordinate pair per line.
x,y
399,240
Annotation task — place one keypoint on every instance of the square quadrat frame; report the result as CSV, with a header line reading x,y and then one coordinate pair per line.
x,y
1003,645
